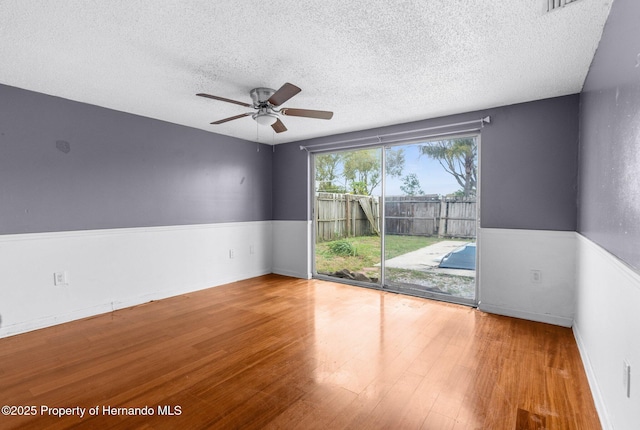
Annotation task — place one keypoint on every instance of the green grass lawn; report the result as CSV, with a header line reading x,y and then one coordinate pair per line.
x,y
368,252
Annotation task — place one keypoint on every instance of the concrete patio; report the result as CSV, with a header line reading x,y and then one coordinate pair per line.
x,y
427,259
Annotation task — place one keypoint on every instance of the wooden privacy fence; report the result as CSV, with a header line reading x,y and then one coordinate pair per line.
x,y
344,215
430,216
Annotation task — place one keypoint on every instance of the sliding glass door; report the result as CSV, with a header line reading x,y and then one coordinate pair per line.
x,y
430,220
414,204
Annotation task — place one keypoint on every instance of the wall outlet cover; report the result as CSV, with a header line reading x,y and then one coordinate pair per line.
x,y
60,278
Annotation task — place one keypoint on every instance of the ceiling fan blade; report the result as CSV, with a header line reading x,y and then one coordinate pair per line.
x,y
307,113
231,118
209,96
283,94
278,126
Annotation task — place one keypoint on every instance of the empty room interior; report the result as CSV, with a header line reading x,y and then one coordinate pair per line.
x,y
167,261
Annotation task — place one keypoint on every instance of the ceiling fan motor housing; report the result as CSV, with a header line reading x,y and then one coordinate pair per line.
x,y
265,114
260,96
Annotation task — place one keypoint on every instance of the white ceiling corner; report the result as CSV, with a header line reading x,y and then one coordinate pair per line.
x,y
371,62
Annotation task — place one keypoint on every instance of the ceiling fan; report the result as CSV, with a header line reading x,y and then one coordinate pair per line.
x,y
265,103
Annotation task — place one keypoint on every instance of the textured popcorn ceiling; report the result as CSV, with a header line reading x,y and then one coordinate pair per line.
x,y
371,62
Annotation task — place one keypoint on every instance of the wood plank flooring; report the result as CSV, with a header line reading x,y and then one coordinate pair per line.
x,y
282,353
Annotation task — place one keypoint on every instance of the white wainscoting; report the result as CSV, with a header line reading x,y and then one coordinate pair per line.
x,y
607,330
116,268
507,287
292,248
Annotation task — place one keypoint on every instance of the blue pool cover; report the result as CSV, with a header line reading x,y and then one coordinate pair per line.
x,y
461,258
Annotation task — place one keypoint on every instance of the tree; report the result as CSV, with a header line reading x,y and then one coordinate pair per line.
x,y
411,185
328,171
394,162
458,158
359,188
362,169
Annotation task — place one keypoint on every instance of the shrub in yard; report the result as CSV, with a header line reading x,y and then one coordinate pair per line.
x,y
343,247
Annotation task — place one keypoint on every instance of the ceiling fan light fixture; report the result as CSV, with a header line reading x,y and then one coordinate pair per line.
x,y
265,118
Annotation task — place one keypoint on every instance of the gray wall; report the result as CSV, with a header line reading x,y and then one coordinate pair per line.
x,y
529,165
122,170
129,171
290,183
609,198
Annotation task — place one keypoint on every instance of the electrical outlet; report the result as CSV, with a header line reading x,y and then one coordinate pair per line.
x,y
252,249
60,278
232,253
626,377
536,276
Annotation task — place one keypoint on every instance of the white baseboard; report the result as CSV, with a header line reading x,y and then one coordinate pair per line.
x,y
544,318
292,274
117,268
593,382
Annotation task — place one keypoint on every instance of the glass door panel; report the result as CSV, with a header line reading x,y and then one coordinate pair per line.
x,y
347,215
430,219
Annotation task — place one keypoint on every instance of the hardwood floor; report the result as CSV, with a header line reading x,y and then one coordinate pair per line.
x,y
275,352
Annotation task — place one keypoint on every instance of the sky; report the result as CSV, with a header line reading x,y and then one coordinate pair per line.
x,y
433,178
431,175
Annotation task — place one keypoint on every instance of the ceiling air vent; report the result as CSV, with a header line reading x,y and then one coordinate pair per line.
x,y
557,4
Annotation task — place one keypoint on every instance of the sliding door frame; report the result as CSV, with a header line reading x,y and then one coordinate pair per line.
x,y
382,285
